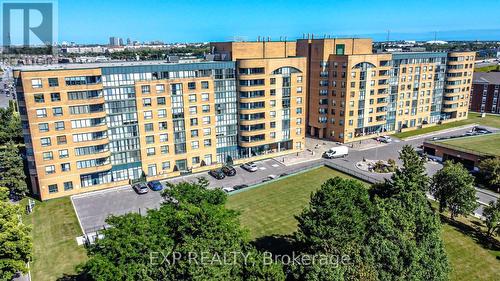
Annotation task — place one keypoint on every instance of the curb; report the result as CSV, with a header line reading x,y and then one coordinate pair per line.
x,y
438,132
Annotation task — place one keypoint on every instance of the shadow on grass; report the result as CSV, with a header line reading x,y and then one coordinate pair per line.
x,y
275,244
71,277
473,232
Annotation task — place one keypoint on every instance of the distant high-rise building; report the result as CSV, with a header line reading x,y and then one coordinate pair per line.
x,y
120,41
129,42
114,41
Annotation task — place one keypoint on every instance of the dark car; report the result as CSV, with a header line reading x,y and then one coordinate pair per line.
x,y
217,173
140,188
155,185
229,171
240,186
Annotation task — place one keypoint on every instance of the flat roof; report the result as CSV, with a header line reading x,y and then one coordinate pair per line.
x,y
479,145
487,77
69,66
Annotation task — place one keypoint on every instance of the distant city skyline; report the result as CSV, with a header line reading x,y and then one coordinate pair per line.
x,y
202,21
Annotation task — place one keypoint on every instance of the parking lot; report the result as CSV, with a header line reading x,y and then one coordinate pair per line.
x,y
93,208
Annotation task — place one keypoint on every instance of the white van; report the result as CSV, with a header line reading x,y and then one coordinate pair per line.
x,y
335,152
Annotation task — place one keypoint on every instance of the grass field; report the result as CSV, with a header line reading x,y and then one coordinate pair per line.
x,y
270,209
488,144
474,118
486,68
54,229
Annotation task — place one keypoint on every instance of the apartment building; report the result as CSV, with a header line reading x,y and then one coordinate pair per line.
x,y
95,126
484,94
272,91
355,94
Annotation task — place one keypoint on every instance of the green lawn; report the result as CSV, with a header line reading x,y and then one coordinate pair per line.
x,y
270,209
486,68
487,144
54,229
474,118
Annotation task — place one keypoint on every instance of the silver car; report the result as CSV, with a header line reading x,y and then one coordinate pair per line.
x,y
140,188
250,166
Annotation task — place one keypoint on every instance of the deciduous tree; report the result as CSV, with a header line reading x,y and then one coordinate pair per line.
x,y
453,188
491,215
11,170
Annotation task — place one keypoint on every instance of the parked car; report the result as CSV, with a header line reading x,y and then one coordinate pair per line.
x,y
155,185
335,152
140,188
283,175
250,166
240,186
217,173
228,189
272,177
229,171
384,139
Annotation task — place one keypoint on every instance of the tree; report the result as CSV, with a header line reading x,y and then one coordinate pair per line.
x,y
490,171
11,170
15,242
334,224
4,194
491,215
453,188
412,176
172,242
10,126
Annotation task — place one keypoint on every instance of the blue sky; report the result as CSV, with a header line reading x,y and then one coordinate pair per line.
x,y
94,21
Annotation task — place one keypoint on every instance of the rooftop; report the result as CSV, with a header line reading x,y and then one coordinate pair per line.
x,y
66,66
480,145
487,77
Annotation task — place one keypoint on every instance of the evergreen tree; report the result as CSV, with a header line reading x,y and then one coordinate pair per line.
x,y
11,170
453,188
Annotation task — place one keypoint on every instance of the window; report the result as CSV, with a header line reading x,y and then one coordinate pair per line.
x,y
272,103
192,85
193,110
204,84
148,114
50,169
53,188
299,110
55,97
39,98
193,121
164,149
160,88
162,113
65,167
206,120
47,156
162,125
43,127
272,135
299,90
208,159
152,170
150,151
195,145
45,141
165,165
150,139
148,127
146,102
194,133
160,101
205,108
36,83
273,81
53,82
207,142
145,89
299,100
272,92
195,160
205,97
192,98
207,131
61,140
272,114
68,185
163,137
299,79
57,111
63,153
59,125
